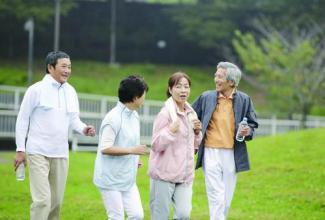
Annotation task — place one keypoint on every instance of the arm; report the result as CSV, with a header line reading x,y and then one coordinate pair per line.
x,y
198,134
107,142
76,124
164,132
22,124
252,121
80,127
197,106
73,109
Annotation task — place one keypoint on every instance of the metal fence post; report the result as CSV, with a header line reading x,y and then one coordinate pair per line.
x,y
16,101
273,125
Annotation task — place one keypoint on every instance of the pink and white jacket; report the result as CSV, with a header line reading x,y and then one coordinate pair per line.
x,y
172,154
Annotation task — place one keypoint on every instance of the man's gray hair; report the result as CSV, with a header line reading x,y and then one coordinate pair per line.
x,y
233,73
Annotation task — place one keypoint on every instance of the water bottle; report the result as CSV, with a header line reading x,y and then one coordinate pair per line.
x,y
242,124
20,172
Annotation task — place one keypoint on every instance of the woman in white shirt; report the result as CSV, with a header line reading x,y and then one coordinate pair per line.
x,y
118,152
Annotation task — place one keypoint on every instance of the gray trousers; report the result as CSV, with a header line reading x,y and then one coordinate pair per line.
x,y
163,193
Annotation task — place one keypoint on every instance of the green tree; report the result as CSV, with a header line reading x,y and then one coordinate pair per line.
x,y
288,63
211,23
14,13
40,10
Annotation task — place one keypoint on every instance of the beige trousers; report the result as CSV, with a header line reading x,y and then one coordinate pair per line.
x,y
47,183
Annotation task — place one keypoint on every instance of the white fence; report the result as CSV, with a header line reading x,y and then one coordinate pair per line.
x,y
94,107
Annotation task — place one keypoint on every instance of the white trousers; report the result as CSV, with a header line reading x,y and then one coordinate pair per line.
x,y
118,202
220,180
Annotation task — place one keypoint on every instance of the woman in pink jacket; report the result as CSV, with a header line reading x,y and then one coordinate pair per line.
x,y
176,135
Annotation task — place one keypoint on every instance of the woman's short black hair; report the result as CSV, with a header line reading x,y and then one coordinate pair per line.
x,y
131,87
52,58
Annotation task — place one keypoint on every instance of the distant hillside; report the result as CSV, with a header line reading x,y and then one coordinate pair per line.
x,y
101,78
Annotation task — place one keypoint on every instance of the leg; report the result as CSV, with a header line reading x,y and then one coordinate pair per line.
x,y
57,178
229,176
160,197
113,204
215,186
182,201
39,168
132,203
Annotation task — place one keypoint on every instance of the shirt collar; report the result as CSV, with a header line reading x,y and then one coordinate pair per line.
x,y
220,95
122,106
186,110
51,81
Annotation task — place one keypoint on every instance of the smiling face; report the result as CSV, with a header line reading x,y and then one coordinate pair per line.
x,y
223,85
180,91
61,71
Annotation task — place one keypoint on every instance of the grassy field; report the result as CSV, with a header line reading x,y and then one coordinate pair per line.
x,y
286,182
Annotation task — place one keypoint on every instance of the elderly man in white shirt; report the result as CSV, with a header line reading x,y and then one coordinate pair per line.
x,y
48,109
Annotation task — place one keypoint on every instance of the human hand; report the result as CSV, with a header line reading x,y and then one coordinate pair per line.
x,y
245,131
89,130
20,158
174,126
197,126
139,150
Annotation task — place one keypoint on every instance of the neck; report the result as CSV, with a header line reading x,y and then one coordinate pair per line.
x,y
180,106
227,93
130,105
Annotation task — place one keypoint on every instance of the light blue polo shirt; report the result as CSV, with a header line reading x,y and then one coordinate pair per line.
x,y
118,173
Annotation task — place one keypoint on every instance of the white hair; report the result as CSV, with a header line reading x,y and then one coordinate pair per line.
x,y
233,73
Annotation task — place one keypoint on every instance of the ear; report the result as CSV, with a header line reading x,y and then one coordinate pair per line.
x,y
232,84
170,90
50,67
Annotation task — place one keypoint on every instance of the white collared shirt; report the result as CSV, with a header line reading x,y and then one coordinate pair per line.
x,y
46,113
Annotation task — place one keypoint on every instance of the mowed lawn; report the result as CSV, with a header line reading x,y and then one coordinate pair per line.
x,y
286,182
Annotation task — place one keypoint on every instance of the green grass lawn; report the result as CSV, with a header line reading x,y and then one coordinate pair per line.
x,y
286,182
